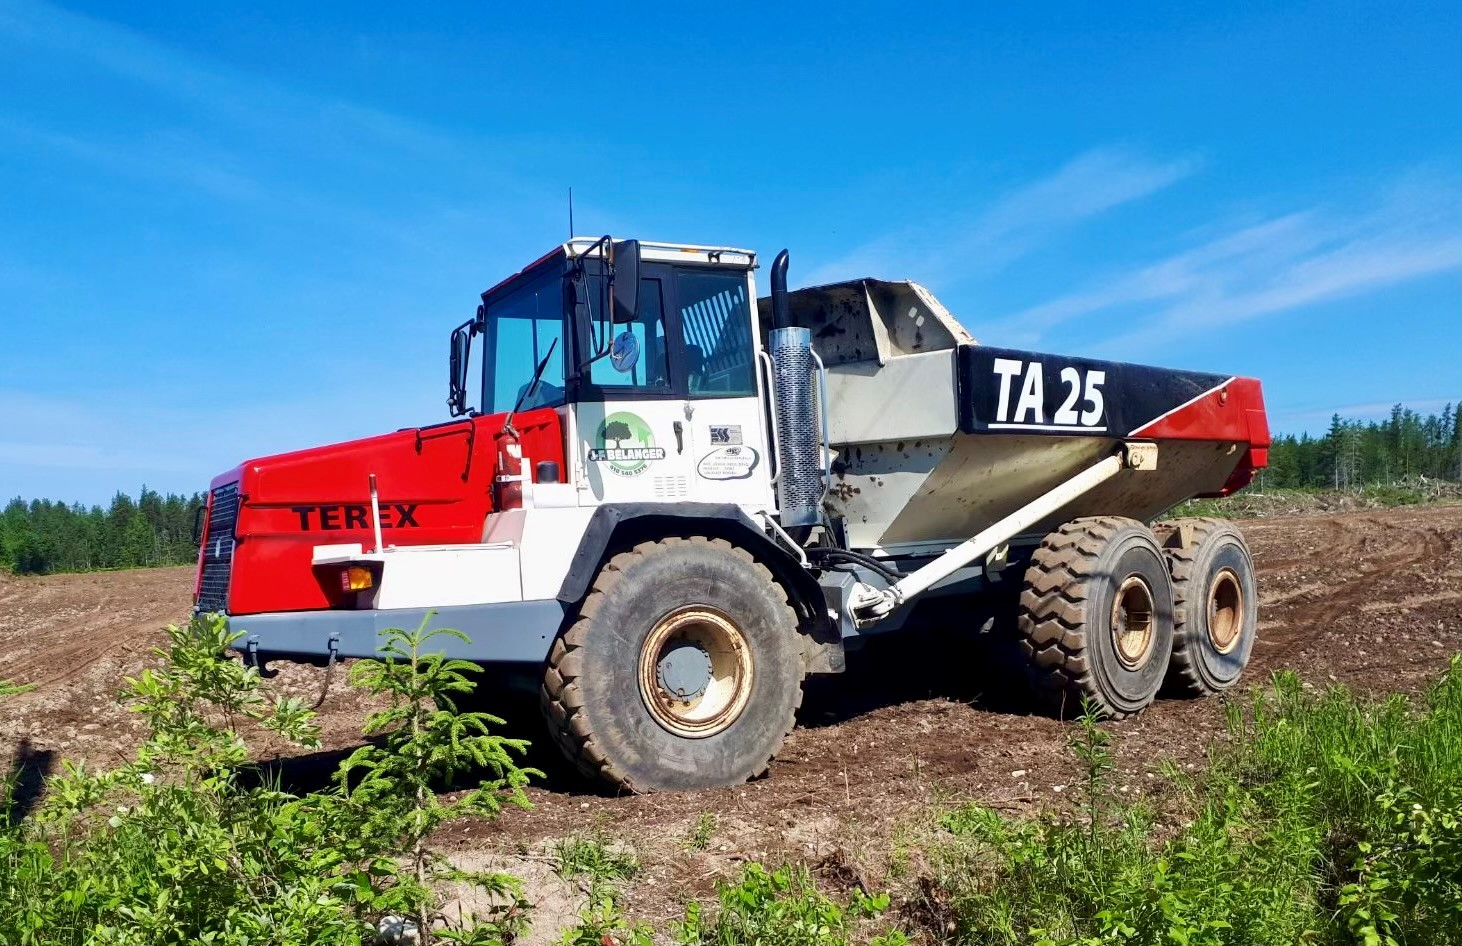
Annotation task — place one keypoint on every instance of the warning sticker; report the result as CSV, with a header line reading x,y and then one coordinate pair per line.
x,y
727,463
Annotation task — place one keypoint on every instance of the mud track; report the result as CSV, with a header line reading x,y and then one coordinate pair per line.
x,y
1370,599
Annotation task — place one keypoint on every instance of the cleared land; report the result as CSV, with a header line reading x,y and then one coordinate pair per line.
x,y
1372,599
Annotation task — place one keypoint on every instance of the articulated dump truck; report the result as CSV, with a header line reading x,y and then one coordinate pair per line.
x,y
662,504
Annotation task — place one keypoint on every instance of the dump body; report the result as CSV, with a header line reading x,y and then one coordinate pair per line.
x,y
936,436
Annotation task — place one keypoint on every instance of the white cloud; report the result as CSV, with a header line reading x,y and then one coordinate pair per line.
x,y
1279,264
238,98
946,250
74,449
1309,418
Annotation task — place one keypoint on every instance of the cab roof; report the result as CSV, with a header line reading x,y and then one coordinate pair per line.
x,y
729,257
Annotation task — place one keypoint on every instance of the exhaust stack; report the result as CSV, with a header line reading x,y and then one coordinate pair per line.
x,y
799,418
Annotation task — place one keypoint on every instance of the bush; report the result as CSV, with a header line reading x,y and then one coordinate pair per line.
x,y
185,845
1327,819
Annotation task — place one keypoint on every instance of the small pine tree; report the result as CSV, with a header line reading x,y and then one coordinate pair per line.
x,y
426,743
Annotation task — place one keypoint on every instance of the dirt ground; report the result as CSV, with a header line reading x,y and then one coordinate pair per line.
x,y
1371,599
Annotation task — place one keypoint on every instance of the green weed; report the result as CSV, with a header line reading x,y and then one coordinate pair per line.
x,y
595,857
602,922
698,838
781,907
8,688
1325,819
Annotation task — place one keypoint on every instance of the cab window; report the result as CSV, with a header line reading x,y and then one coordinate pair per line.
x,y
651,368
715,317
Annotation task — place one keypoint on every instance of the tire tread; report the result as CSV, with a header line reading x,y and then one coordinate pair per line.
x,y
562,695
1183,675
1052,617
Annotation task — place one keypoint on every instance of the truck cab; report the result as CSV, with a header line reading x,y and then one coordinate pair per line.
x,y
660,396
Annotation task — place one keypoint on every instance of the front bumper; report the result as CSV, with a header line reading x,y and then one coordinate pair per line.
x,y
502,632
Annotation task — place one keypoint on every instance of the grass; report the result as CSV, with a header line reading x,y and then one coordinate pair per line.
x,y
698,838
1255,502
1326,819
595,856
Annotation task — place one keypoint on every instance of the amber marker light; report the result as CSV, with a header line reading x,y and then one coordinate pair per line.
x,y
356,578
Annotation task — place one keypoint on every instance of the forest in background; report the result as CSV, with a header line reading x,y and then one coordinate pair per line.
x,y
43,536
39,536
1404,447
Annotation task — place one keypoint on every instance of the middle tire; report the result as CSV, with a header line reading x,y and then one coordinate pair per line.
x,y
683,671
1096,617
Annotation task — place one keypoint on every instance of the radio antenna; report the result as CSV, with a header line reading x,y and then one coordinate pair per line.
x,y
571,212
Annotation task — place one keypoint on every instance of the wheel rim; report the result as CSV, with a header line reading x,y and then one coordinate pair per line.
x,y
1225,611
695,672
1133,627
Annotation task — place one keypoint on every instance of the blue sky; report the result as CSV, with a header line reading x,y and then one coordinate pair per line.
x,y
233,229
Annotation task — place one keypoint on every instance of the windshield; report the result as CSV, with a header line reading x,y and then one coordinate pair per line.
x,y
520,328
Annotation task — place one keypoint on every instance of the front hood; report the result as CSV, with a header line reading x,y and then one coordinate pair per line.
x,y
434,487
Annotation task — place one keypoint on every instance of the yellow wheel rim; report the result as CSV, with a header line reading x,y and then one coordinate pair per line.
x,y
1225,611
695,672
1133,622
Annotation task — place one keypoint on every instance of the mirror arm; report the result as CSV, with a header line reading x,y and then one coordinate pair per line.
x,y
599,339
459,361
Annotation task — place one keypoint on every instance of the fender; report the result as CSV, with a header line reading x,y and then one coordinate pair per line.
x,y
619,525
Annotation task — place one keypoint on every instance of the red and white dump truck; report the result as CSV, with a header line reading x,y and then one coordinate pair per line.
x,y
665,504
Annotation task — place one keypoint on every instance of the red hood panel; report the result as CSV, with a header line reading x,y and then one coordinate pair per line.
x,y
434,486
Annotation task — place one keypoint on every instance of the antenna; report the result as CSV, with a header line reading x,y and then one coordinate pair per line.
x,y
571,212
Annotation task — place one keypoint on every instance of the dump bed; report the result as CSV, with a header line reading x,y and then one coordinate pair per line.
x,y
936,436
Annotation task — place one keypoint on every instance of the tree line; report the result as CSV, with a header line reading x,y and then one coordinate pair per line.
x,y
44,536
1404,447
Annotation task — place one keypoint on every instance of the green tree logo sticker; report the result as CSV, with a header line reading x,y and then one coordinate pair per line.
x,y
626,443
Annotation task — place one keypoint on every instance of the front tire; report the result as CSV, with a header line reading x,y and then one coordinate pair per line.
x,y
1096,617
683,671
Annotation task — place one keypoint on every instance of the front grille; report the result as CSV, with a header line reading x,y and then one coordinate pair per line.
x,y
218,550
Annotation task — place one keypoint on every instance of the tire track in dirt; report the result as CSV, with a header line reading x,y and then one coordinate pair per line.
x,y
1370,599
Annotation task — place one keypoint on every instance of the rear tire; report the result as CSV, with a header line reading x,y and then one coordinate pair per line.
x,y
1096,617
683,671
1215,604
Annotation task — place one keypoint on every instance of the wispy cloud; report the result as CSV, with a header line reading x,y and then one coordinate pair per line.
x,y
164,158
1413,228
949,249
300,157
55,445
240,99
1309,418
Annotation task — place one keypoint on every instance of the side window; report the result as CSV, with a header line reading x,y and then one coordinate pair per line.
x,y
716,319
652,368
523,326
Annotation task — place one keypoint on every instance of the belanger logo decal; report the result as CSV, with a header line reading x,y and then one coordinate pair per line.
x,y
633,444
341,516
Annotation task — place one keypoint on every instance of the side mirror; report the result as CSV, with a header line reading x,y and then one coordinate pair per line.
x,y
458,360
626,257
